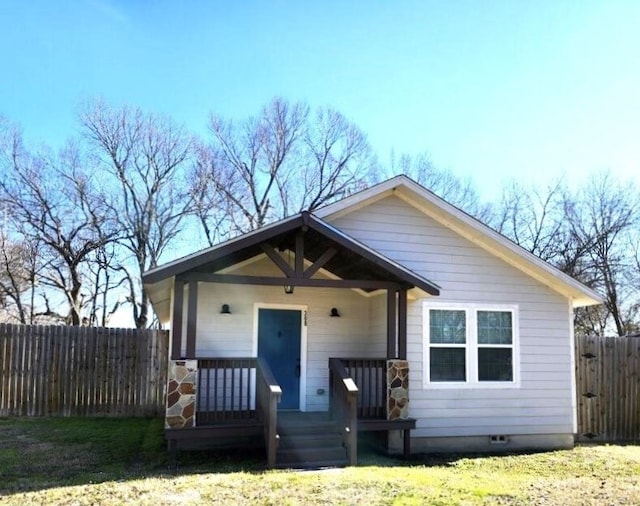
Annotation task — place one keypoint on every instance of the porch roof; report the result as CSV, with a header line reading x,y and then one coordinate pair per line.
x,y
324,244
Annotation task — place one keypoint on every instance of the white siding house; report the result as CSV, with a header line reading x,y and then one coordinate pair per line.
x,y
487,329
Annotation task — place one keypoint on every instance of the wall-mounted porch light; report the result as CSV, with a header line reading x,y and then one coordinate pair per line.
x,y
225,309
334,313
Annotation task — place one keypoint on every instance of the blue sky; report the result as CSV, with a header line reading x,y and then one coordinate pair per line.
x,y
493,90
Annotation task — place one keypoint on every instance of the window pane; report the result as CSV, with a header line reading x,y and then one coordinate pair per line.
x,y
447,326
495,327
495,364
447,364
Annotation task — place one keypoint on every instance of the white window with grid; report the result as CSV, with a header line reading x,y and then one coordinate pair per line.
x,y
471,345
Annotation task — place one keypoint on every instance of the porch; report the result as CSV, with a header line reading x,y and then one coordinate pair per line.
x,y
215,400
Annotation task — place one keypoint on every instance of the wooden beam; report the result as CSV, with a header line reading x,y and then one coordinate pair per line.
x,y
231,247
192,318
320,262
402,324
372,425
271,281
278,260
299,254
176,320
391,324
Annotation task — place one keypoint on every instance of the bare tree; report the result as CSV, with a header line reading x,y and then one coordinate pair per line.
x,y
146,157
443,183
283,161
212,209
337,161
107,276
535,219
601,219
17,278
51,202
585,234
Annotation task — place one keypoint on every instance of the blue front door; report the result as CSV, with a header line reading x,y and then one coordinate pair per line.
x,y
279,345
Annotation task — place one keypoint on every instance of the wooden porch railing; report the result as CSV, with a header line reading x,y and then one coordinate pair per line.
x,y
236,390
369,374
268,397
225,390
343,399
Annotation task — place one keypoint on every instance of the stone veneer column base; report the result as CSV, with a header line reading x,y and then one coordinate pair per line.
x,y
181,394
397,389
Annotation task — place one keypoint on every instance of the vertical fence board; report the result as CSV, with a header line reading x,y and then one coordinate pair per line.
x,y
62,371
91,371
4,372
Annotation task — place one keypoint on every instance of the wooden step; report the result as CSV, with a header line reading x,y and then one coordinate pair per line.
x,y
288,441
309,440
334,456
320,428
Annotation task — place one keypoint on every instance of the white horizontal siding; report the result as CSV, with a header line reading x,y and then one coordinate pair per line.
x,y
492,426
468,274
232,335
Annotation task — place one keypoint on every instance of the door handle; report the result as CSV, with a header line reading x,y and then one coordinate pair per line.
x,y
298,369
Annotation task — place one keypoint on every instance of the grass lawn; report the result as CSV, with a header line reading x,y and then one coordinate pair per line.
x,y
108,461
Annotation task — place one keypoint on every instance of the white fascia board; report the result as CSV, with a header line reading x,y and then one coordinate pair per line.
x,y
361,199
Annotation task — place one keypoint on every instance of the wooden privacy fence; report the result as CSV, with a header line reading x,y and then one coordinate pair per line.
x,y
608,388
58,370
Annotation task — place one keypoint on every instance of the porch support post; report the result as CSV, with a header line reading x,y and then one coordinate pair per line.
x,y
182,386
176,320
402,324
192,317
391,324
300,254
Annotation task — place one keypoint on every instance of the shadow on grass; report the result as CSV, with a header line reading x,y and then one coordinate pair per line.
x,y
43,453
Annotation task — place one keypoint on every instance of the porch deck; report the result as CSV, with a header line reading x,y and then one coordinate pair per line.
x,y
237,403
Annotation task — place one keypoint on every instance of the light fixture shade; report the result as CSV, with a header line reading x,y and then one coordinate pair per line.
x,y
225,309
334,313
288,289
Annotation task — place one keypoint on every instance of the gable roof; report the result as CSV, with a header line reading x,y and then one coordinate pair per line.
x,y
468,227
351,259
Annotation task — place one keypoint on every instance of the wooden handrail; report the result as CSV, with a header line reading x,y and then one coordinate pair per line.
x,y
268,394
343,405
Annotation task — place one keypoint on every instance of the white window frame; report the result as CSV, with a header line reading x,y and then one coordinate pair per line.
x,y
471,345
